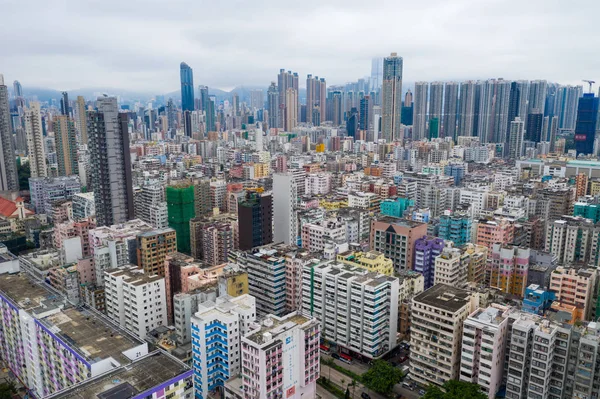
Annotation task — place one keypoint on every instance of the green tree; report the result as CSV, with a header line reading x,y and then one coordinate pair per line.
x,y
382,377
347,396
7,390
455,390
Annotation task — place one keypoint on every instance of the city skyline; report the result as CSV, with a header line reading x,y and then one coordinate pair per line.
x,y
470,41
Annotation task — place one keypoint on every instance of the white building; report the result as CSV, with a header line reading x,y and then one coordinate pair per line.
x,y
285,198
451,268
318,184
137,302
436,324
83,205
217,328
35,140
280,358
185,305
357,309
483,348
314,234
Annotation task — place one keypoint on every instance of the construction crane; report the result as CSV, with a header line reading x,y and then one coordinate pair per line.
x,y
590,82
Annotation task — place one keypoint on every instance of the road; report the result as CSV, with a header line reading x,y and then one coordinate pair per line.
x,y
342,381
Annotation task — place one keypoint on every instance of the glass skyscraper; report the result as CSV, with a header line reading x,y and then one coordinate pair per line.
x,y
391,101
187,87
587,123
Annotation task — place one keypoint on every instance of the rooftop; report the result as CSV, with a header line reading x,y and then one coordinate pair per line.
x,y
444,297
274,326
26,293
399,222
126,382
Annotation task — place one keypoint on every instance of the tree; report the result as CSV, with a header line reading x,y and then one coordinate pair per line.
x,y
7,390
455,390
347,396
382,377
353,385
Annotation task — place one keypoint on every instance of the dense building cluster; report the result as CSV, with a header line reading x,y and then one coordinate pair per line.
x,y
220,243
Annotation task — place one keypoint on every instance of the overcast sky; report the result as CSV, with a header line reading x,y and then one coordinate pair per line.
x,y
138,44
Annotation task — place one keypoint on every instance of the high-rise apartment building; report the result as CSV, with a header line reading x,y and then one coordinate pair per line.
x,y
391,98
273,105
266,270
484,337
280,357
449,127
426,252
587,124
356,309
516,137
187,87
537,96
285,198
124,289
436,101
109,155
420,111
287,80
8,164
35,140
466,114
490,232
217,328
66,146
572,240
291,109
436,333
181,209
316,98
255,216
81,118
452,267
508,267
45,191
152,250
575,286
396,238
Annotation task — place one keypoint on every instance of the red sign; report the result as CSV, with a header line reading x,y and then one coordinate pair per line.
x,y
580,137
290,392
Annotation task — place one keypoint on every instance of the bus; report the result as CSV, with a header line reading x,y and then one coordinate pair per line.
x,y
325,350
345,358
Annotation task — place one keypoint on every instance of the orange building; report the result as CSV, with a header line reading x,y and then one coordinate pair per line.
x,y
581,183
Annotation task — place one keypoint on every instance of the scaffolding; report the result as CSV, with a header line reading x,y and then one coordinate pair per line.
x,y
181,208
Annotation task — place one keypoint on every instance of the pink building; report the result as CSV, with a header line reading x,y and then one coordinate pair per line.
x,y
280,358
498,230
81,229
507,269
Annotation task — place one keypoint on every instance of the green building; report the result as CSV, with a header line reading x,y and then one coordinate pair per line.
x,y
587,210
395,206
181,208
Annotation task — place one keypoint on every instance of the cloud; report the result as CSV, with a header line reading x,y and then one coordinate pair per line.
x,y
138,44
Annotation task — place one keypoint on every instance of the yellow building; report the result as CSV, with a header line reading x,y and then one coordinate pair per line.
x,y
333,204
373,261
235,283
320,148
478,255
594,187
261,170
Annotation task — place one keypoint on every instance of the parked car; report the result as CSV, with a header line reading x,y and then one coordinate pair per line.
x,y
421,392
365,395
407,386
335,356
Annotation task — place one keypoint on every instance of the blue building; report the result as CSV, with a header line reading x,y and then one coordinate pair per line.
x,y
187,87
456,227
395,207
457,171
587,123
537,300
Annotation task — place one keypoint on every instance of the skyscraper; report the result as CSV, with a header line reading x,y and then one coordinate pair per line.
x,y
376,73
109,155
336,106
66,146
273,105
467,108
515,142
501,107
366,105
537,96
534,126
257,100
316,97
81,120
8,165
18,89
35,140
285,81
566,110
64,103
587,124
420,111
391,98
255,217
204,99
285,197
436,100
187,87
450,110
291,109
